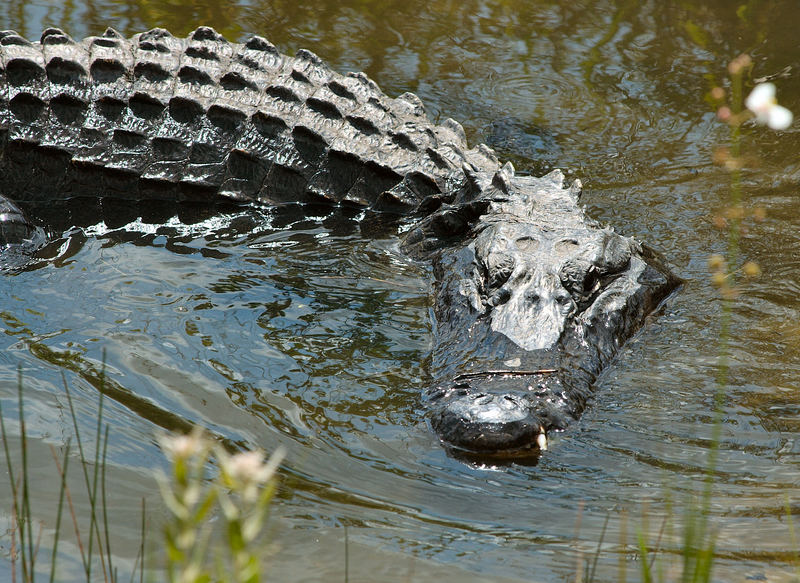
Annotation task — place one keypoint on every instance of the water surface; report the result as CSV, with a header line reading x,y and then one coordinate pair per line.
x,y
271,328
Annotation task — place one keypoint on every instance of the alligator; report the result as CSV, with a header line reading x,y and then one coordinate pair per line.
x,y
532,298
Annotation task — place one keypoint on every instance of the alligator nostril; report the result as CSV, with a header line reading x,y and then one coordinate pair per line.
x,y
482,399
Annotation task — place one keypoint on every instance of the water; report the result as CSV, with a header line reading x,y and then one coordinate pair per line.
x,y
275,329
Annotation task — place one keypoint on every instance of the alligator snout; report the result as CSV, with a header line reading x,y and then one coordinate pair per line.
x,y
501,425
501,415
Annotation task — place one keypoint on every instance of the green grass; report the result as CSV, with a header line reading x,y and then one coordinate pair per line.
x,y
94,542
239,493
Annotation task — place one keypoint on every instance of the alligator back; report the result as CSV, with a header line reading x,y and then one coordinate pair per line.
x,y
157,117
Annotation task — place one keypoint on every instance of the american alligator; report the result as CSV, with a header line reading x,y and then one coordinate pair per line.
x,y
532,298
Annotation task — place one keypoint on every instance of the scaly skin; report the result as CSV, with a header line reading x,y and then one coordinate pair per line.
x,y
532,298
158,117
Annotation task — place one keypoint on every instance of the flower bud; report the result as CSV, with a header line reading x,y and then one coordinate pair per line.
x,y
751,269
716,262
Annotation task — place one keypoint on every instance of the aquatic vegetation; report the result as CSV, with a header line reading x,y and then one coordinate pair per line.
x,y
198,546
93,542
698,543
763,103
240,492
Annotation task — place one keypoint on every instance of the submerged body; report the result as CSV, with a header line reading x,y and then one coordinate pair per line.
x,y
532,299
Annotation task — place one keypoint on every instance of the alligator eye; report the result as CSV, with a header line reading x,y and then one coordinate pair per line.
x,y
564,298
580,278
565,302
498,269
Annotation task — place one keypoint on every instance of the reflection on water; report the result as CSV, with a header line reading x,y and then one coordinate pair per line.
x,y
312,333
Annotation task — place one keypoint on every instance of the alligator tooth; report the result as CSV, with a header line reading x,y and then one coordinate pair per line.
x,y
541,440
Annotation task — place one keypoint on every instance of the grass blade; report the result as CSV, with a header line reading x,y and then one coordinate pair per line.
x,y
24,520
61,493
87,567
140,558
104,501
12,480
593,569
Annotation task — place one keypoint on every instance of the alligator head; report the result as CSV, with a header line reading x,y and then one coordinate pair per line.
x,y
532,303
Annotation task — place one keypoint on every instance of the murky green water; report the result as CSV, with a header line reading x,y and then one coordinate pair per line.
x,y
272,329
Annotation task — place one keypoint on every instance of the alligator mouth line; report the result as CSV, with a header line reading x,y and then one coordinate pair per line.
x,y
503,373
526,454
494,426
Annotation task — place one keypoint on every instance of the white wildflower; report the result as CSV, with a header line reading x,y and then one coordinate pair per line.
x,y
247,471
764,105
184,446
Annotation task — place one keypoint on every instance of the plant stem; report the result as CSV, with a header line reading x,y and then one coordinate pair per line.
x,y
24,520
61,492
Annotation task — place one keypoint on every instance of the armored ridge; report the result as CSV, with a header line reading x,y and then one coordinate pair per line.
x,y
199,118
532,298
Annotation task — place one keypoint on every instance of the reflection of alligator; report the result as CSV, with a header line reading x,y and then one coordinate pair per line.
x,y
532,299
